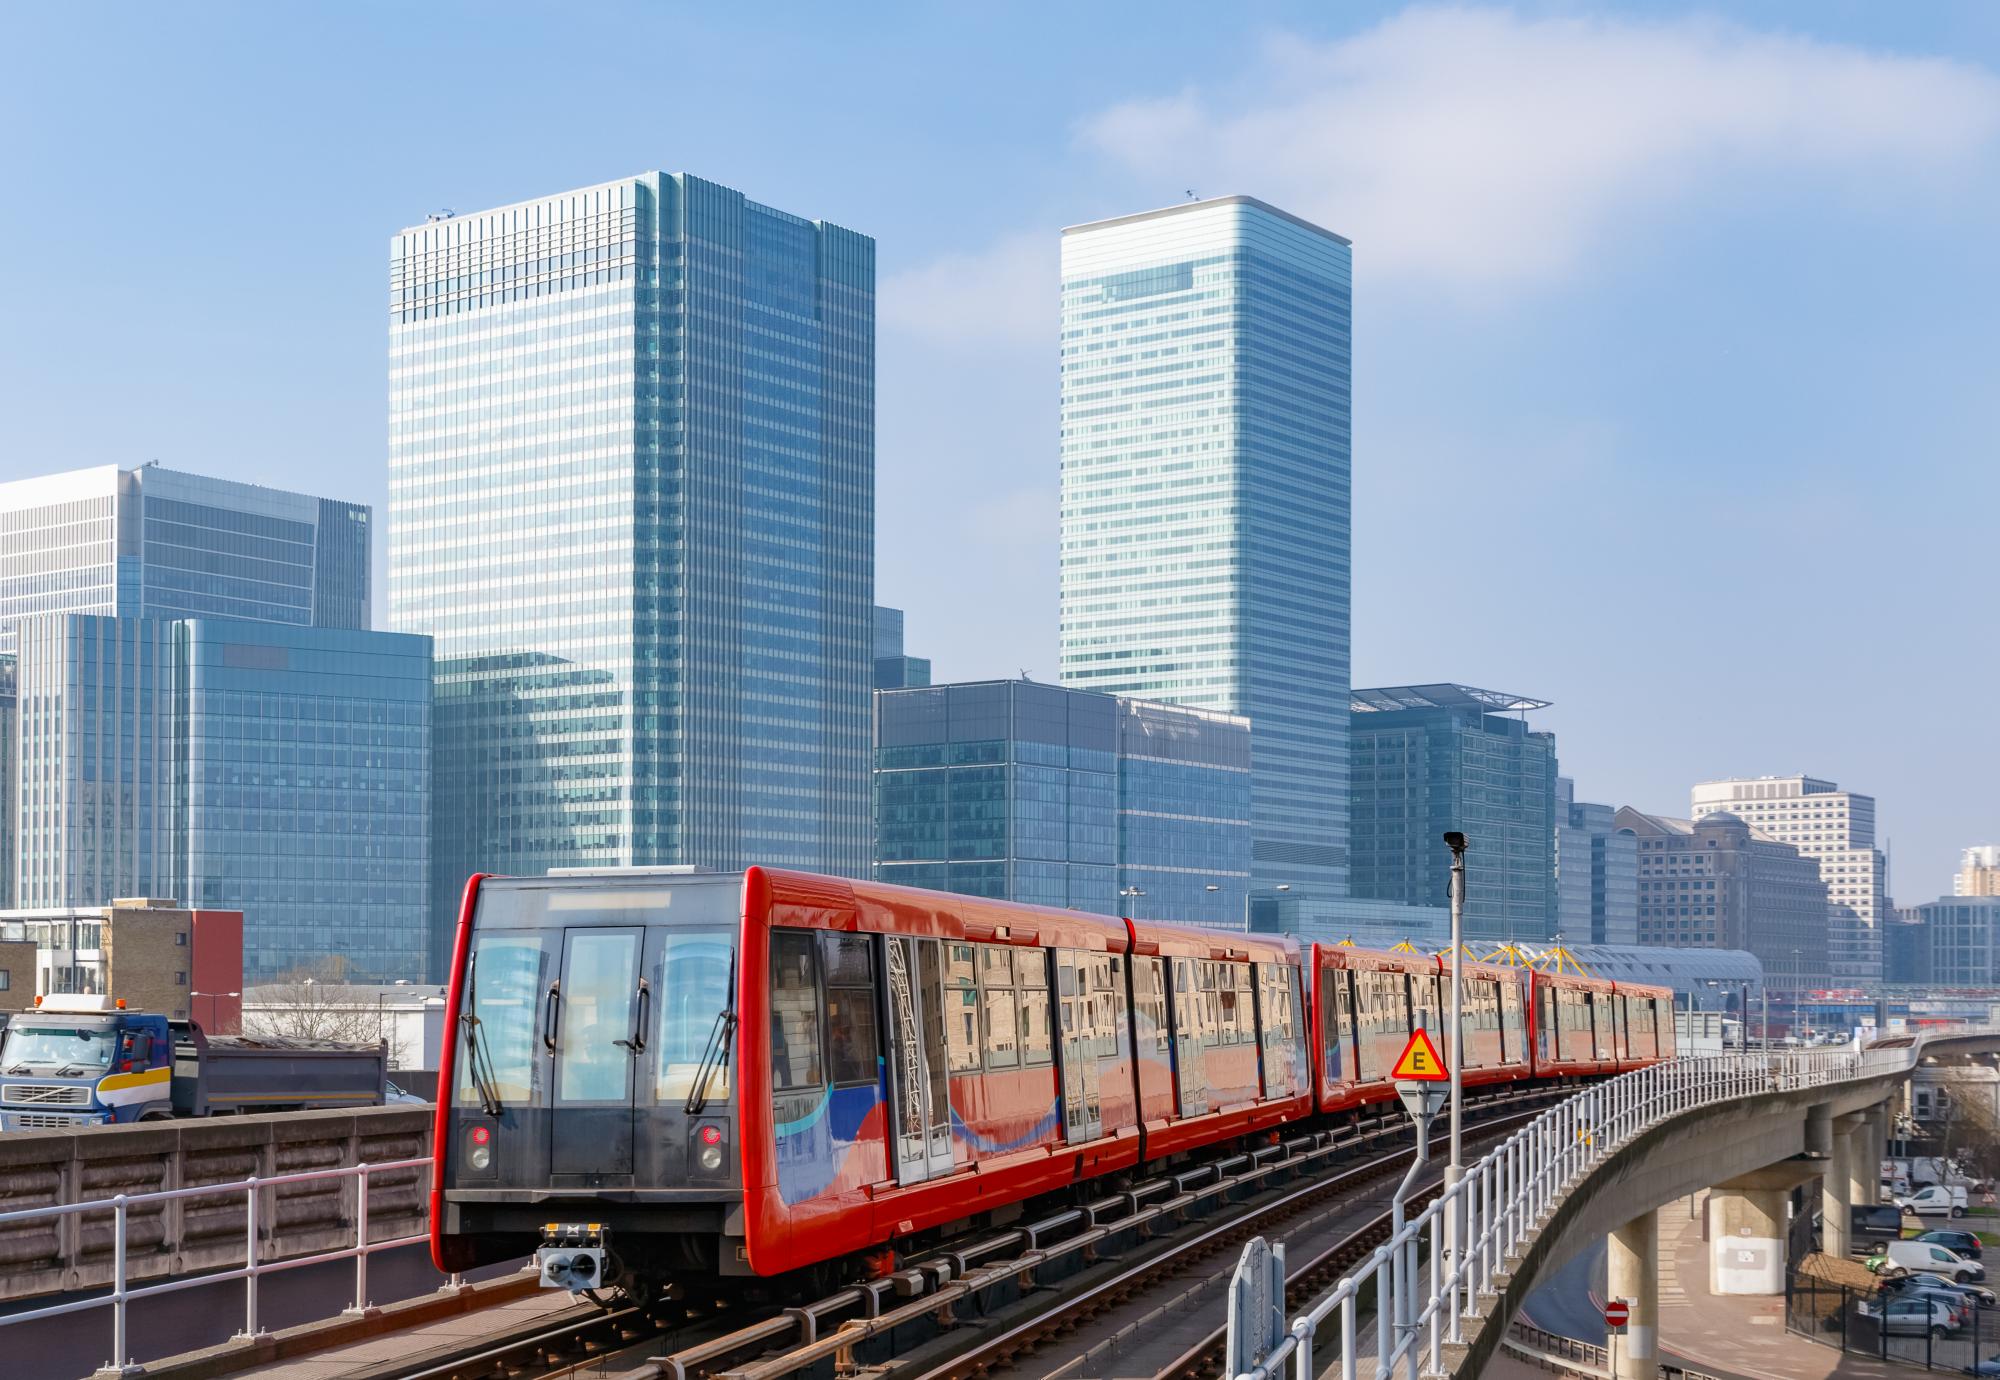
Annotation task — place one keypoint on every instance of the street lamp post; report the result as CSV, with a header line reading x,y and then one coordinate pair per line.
x,y
1282,886
1454,1168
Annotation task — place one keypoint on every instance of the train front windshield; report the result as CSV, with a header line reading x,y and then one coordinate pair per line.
x,y
585,993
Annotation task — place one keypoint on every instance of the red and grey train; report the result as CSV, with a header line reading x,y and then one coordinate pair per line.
x,y
748,1075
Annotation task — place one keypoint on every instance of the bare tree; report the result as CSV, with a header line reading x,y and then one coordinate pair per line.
x,y
1968,1117
314,1003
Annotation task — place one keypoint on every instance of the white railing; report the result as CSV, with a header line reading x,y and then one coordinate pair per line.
x,y
253,1269
1502,1200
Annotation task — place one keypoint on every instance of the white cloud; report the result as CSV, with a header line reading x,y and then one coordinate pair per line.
x,y
1483,150
1005,293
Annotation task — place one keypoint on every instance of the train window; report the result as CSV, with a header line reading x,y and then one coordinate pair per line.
x,y
961,1010
1000,1007
795,1011
849,959
1513,1041
1149,1000
1031,967
849,962
1108,975
692,986
504,983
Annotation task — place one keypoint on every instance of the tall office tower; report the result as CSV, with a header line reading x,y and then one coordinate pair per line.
x,y
1978,872
1597,872
631,495
1432,758
157,543
1205,497
895,670
1836,828
232,765
1718,883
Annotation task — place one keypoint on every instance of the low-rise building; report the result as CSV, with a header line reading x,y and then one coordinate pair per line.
x,y
1035,793
154,955
1428,758
1717,883
408,1017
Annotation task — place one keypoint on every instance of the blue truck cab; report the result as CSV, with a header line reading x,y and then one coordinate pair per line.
x,y
84,1061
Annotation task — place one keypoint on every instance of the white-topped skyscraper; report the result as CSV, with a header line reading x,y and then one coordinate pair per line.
x,y
1206,384
1836,829
631,494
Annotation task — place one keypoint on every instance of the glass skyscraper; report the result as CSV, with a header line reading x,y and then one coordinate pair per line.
x,y
156,543
1067,798
1431,758
281,771
631,480
1206,362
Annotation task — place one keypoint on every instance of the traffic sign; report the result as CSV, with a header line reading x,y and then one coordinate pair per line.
x,y
1616,1313
1421,1062
1421,1100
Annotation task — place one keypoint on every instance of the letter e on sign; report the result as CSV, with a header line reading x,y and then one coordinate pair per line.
x,y
1421,1062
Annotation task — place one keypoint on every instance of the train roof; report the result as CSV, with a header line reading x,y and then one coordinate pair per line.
x,y
1190,941
837,903
1375,960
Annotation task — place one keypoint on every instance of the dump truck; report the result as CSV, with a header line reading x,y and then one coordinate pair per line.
x,y
90,1061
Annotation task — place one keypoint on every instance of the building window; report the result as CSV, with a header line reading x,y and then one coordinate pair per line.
x,y
180,939
6,980
180,979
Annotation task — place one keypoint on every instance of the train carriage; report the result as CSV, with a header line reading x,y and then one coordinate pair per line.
x,y
769,1073
1571,1026
1220,1021
1644,1018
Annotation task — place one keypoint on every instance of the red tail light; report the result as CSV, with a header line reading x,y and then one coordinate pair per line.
x,y
711,1135
480,1135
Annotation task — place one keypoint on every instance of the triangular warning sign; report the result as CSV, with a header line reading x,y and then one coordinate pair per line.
x,y
1421,1062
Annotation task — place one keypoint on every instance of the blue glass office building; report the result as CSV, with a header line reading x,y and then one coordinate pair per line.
x,y
152,542
280,770
1432,758
631,478
1068,798
1206,359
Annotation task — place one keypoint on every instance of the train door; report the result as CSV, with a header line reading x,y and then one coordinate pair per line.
x,y
1190,1068
1083,1112
593,1025
919,1096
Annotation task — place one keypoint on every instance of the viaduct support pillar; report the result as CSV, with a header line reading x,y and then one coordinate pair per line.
x,y
1632,1273
1746,1228
1836,1184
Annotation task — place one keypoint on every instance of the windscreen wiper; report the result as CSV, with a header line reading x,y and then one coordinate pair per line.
x,y
478,1059
716,1050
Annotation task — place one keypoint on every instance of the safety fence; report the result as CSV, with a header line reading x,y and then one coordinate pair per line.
x,y
1913,1321
1421,1298
257,1195
1560,1355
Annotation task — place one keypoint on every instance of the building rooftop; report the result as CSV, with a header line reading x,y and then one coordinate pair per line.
x,y
1444,696
1208,203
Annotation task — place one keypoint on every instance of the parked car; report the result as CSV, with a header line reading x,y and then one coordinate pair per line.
x,y
1937,1286
1936,1201
1963,1243
1924,1257
1912,1317
1989,1366
1872,1226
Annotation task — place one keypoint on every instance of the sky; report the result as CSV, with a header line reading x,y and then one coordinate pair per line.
x,y
1676,367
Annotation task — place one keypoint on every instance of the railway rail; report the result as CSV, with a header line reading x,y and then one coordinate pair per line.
x,y
1048,1288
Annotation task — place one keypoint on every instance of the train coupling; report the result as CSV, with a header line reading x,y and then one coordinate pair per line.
x,y
574,1256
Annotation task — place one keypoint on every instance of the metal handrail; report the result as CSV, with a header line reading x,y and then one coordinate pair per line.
x,y
1504,1198
249,1272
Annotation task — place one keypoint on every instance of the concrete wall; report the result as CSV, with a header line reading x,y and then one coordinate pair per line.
x,y
51,1255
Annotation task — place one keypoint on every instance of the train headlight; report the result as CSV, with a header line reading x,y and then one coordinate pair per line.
x,y
708,1154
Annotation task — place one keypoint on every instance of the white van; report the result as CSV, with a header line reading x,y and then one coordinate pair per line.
x,y
1936,1201
1927,1258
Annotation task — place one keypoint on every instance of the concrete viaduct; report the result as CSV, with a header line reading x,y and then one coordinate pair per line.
x,y
1749,1153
